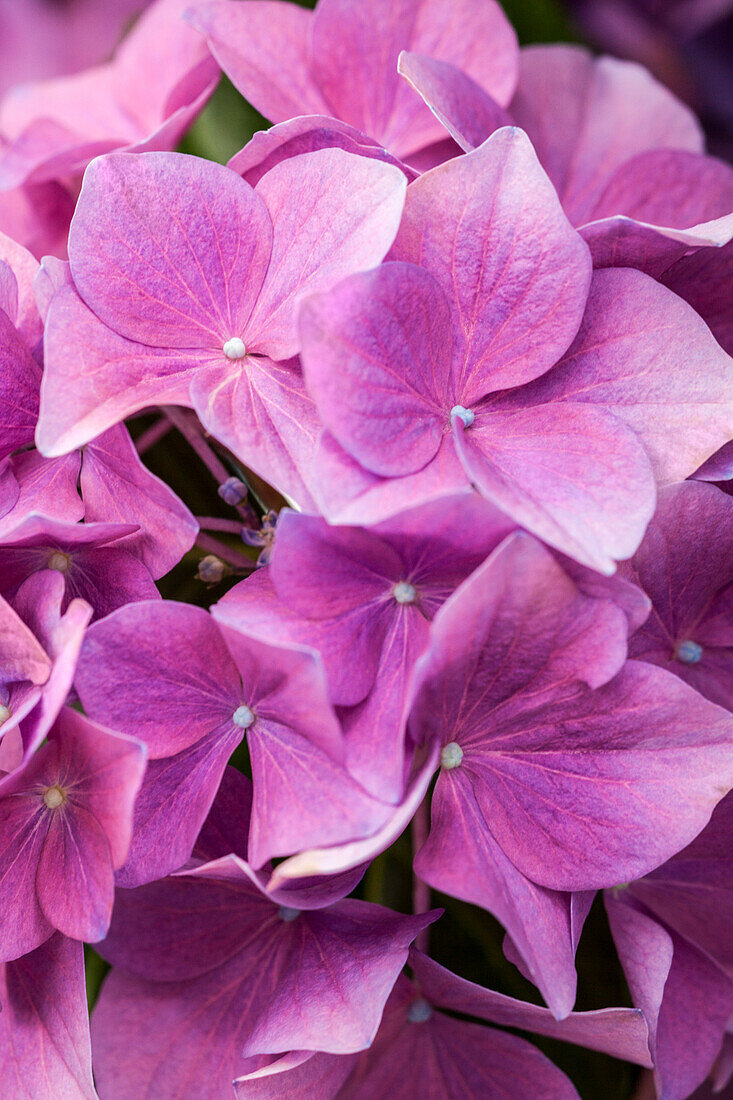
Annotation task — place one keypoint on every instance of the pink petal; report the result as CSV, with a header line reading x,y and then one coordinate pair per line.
x,y
377,355
573,475
625,359
478,40
358,199
263,48
22,835
347,493
106,770
74,881
301,135
25,268
489,227
261,411
48,486
466,111
94,378
169,250
670,187
611,111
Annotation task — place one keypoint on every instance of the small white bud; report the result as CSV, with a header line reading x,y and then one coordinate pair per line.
x,y
54,797
451,755
234,348
59,561
689,652
419,1011
463,414
243,717
404,592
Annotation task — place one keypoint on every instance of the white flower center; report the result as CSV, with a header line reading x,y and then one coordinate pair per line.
x,y
59,561
287,914
419,1011
54,797
463,414
451,755
689,652
243,717
234,348
404,592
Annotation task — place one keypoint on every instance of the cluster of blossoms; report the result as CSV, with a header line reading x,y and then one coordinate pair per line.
x,y
453,336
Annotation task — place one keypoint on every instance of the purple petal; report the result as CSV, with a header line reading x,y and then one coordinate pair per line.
x,y
343,857
693,1019
374,731
686,998
254,607
176,795
604,809
284,684
322,572
296,1075
22,656
625,242
439,1049
691,892
160,672
462,858
20,376
226,829
341,962
117,488
614,797
621,1032
703,280
22,834
685,566
303,798
62,635
44,1027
